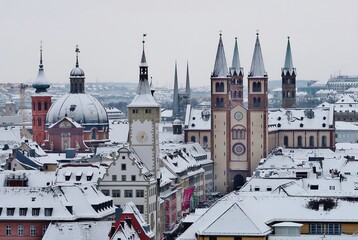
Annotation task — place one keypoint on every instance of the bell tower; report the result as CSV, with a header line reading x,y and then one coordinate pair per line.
x,y
288,74
257,107
41,102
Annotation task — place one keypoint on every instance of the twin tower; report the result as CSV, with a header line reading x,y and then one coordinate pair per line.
x,y
239,134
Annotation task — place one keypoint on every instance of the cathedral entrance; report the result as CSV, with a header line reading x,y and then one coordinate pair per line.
x,y
239,181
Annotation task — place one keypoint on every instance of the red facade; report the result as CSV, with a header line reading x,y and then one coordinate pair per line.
x,y
40,106
22,229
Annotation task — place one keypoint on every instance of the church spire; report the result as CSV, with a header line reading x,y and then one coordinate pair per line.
x,y
257,64
41,84
220,67
187,85
176,93
77,76
235,66
144,95
288,59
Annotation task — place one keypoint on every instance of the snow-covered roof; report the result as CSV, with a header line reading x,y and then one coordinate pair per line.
x,y
288,119
348,126
81,107
92,230
198,119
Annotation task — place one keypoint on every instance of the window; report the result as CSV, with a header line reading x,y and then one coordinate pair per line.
x,y
94,133
123,167
238,133
44,229
23,211
315,228
128,193
220,102
124,178
324,141
116,193
39,106
333,229
299,141
10,211
46,106
135,110
133,178
219,87
114,178
8,230
285,141
256,87
311,141
139,193
257,102
105,192
205,139
48,211
32,230
20,230
148,111
192,139
35,211
140,208
212,238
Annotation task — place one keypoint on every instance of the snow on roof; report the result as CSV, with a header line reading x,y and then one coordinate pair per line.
x,y
349,126
288,119
92,230
287,224
199,119
10,136
166,113
346,99
80,173
118,131
144,100
81,198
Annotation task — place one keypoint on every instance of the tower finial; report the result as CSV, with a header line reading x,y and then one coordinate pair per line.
x,y
220,33
77,51
41,65
143,61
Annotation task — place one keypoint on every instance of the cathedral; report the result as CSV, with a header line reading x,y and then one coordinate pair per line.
x,y
238,134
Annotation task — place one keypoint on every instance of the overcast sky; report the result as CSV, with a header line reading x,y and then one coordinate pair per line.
x,y
324,37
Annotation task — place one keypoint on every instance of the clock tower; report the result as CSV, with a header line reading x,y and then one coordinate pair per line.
x,y
143,119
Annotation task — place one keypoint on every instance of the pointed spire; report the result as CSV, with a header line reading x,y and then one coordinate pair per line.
x,y
143,61
187,85
176,93
288,60
235,66
220,67
257,64
40,83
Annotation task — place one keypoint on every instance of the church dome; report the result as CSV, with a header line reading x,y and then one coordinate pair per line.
x,y
82,108
77,72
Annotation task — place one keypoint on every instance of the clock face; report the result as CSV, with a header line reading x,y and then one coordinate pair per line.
x,y
238,149
238,116
142,137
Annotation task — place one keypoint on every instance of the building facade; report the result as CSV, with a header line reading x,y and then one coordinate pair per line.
x,y
239,134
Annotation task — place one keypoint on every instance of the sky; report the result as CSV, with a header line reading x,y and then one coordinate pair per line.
x,y
323,36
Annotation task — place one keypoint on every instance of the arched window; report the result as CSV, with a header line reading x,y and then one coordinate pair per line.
x,y
217,87
39,106
94,133
205,139
220,102
240,94
46,106
33,106
192,138
238,132
257,102
222,88
39,122
285,141
311,141
299,141
324,141
256,87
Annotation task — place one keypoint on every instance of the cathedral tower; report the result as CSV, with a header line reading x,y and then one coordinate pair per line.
x,y
288,74
237,87
41,102
257,107
176,93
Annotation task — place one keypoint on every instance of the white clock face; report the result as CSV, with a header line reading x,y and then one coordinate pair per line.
x,y
142,137
141,132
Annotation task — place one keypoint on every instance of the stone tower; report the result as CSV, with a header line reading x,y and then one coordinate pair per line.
x,y
288,74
